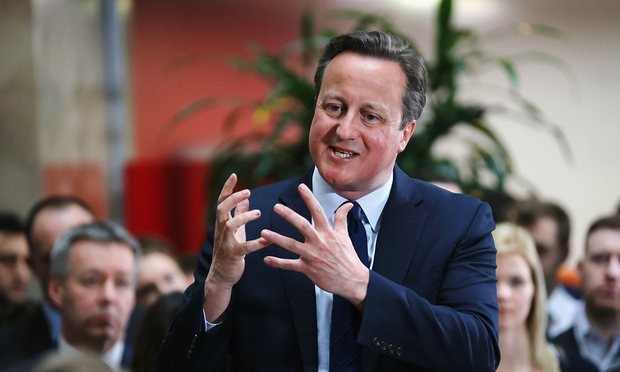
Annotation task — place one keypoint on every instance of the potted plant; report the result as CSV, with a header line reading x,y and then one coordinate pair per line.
x,y
486,165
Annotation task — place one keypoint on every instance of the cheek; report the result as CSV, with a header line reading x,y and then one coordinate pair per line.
x,y
525,299
320,125
127,300
383,147
589,280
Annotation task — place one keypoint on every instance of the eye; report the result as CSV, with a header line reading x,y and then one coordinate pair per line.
x,y
89,281
370,117
333,109
169,278
122,283
516,281
146,290
599,259
542,250
8,260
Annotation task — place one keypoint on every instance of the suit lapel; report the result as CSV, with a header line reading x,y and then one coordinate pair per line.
x,y
402,222
299,289
401,227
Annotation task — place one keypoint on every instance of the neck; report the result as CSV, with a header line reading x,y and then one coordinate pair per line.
x,y
605,323
514,346
94,346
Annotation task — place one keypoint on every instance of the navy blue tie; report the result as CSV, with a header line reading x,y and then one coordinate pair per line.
x,y
344,350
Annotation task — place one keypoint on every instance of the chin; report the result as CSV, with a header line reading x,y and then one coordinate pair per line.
x,y
334,175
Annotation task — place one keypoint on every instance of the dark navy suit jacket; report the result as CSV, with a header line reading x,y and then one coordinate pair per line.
x,y
431,302
26,338
26,341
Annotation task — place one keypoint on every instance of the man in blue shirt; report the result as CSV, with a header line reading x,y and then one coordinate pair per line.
x,y
595,334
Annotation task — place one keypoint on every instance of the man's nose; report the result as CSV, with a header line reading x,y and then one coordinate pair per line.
x,y
347,126
23,270
108,291
613,267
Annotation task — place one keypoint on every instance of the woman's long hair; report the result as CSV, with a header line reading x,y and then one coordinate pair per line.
x,y
510,238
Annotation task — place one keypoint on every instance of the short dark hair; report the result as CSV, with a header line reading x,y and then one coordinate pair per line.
x,y
384,46
605,222
50,202
527,212
10,223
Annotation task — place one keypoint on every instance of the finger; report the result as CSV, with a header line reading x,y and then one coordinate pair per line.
x,y
226,205
256,244
228,187
242,207
241,219
283,241
285,264
299,222
316,211
340,219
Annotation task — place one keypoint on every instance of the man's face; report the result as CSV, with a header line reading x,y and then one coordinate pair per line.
x,y
544,231
48,226
97,296
600,270
14,270
159,275
355,135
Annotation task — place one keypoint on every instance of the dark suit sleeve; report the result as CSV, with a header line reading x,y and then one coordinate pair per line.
x,y
188,346
457,328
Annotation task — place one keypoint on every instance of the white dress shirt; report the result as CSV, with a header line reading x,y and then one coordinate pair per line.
x,y
604,355
562,308
112,357
372,205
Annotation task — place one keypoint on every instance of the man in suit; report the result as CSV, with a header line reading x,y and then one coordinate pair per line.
x,y
595,334
93,275
281,261
15,274
47,220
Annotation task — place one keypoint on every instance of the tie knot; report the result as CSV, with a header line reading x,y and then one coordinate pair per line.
x,y
356,213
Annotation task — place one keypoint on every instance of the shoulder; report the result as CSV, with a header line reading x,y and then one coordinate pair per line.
x,y
265,196
277,188
568,354
25,338
429,195
565,340
24,325
441,204
456,217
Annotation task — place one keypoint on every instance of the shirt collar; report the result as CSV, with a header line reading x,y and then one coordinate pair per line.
x,y
583,329
371,203
582,326
53,319
112,357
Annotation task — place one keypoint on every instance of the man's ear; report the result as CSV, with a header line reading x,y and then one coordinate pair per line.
x,y
406,133
55,292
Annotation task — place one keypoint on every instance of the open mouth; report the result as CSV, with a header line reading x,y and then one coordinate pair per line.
x,y
342,154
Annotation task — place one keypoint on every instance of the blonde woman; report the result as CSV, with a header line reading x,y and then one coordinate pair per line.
x,y
521,296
